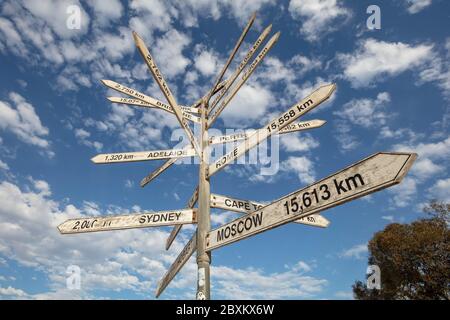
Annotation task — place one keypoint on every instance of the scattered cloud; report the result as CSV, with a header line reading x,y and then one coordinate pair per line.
x,y
302,166
296,143
249,284
375,61
415,6
358,251
366,112
83,135
19,117
441,190
318,17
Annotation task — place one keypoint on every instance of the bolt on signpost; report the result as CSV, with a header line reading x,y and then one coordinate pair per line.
x,y
379,171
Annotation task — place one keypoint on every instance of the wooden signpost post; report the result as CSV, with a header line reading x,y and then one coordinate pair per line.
x,y
303,206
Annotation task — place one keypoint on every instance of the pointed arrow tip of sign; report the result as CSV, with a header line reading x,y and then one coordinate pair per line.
x,y
105,82
136,37
407,166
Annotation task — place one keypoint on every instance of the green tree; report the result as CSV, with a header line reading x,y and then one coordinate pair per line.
x,y
414,258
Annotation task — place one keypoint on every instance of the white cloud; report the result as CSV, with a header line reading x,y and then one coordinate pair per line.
x,y
83,135
129,184
55,14
441,190
366,112
376,60
344,136
13,293
106,11
414,6
318,17
29,236
298,143
404,192
388,218
206,61
249,105
358,251
301,166
425,168
4,166
169,53
255,284
22,120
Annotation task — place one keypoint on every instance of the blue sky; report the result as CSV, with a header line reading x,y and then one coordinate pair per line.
x,y
393,95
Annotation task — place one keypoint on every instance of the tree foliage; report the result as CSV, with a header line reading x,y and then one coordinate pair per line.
x,y
414,258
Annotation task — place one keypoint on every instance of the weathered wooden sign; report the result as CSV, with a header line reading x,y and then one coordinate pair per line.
x,y
165,89
173,234
162,106
142,155
246,206
244,78
128,221
181,260
241,67
300,126
374,173
297,110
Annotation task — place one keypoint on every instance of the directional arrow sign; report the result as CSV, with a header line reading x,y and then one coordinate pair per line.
x,y
177,228
158,171
244,78
140,220
236,205
163,106
297,110
182,258
304,125
300,126
241,67
246,206
165,89
374,173
235,49
142,155
143,100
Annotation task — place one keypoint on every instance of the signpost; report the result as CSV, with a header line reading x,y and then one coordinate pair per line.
x,y
374,173
137,220
297,110
300,126
246,206
142,155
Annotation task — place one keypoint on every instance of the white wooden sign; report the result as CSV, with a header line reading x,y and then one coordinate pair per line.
x,y
165,89
136,220
244,78
374,173
246,206
241,67
181,260
297,110
300,126
165,107
176,229
233,52
142,155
